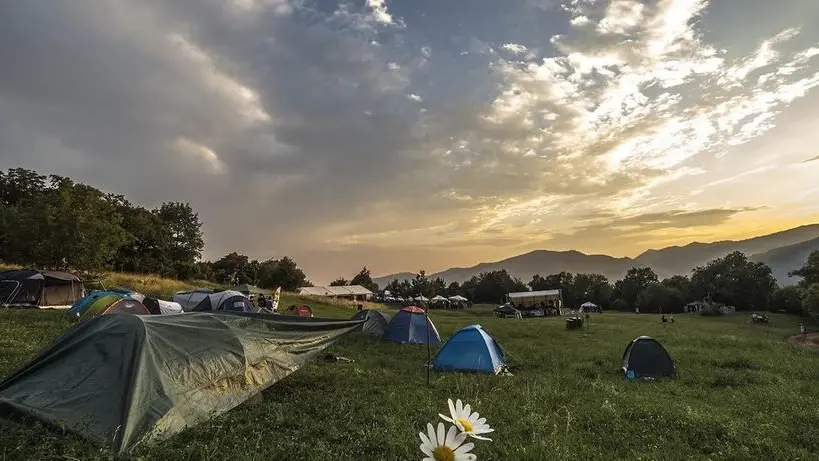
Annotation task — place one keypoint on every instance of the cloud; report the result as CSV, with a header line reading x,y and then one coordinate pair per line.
x,y
301,128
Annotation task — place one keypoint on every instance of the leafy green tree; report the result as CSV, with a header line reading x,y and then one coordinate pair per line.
x,y
788,299
636,280
364,278
810,301
284,273
736,281
186,240
809,272
147,239
339,282
657,298
683,285
453,289
492,287
593,288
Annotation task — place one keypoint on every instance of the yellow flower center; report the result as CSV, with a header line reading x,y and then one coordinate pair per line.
x,y
465,424
443,453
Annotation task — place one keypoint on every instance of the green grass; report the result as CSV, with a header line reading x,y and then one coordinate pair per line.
x,y
742,393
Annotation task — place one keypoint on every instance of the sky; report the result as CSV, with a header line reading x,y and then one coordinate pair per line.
x,y
421,134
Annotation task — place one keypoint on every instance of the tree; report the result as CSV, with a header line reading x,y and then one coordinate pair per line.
x,y
682,284
636,280
420,285
810,301
364,278
147,239
453,289
788,299
593,288
186,240
339,282
809,272
284,273
736,281
233,269
657,298
492,287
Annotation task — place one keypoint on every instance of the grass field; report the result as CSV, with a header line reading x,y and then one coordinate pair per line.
x,y
742,393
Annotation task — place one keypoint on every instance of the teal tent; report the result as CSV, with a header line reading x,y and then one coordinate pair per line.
x,y
123,380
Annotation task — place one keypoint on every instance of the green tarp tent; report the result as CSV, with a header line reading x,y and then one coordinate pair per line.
x,y
251,290
122,380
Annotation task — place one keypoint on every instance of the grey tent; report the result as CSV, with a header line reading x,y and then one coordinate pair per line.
x,y
122,380
376,323
228,300
36,288
646,358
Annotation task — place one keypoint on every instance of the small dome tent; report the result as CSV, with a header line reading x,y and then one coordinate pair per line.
x,y
376,323
190,299
471,349
107,302
645,358
410,326
229,300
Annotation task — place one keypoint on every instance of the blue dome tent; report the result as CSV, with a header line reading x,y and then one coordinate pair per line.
x,y
470,349
410,326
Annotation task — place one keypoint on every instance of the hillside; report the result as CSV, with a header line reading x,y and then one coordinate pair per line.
x,y
666,262
785,259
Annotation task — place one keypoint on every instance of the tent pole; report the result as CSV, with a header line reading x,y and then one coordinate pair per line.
x,y
429,353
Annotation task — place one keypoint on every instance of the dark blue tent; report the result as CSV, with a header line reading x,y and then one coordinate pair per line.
x,y
410,326
470,349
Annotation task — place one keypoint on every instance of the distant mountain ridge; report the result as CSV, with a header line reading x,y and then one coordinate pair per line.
x,y
784,251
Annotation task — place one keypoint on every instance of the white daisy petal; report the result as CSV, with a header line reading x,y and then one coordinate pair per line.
x,y
459,407
467,410
431,431
441,434
466,457
450,436
424,439
464,448
460,438
475,436
452,411
446,418
427,450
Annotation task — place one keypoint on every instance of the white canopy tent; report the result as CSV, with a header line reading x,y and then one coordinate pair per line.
x,y
589,305
421,298
458,298
439,298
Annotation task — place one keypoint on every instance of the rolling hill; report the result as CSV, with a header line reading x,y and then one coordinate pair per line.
x,y
784,251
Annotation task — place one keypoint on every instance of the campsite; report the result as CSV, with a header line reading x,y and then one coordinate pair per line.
x,y
741,392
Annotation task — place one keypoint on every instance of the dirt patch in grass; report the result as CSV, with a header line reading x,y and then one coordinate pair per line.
x,y
810,341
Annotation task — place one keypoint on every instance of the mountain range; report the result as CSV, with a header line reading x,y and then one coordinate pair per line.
x,y
784,251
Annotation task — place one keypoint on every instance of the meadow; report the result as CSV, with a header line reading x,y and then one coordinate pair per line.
x,y
742,392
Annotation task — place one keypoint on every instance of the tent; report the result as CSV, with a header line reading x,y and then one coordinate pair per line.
x,y
35,288
458,298
439,298
470,349
588,305
410,326
107,302
248,290
225,301
123,380
421,298
301,310
158,306
376,323
190,299
646,358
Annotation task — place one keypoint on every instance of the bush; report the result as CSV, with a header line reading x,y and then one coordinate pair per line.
x,y
620,305
788,299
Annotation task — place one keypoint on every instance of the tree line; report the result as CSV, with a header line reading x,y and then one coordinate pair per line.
x,y
53,222
731,280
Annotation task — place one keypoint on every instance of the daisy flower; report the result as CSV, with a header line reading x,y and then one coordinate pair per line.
x,y
445,446
469,423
